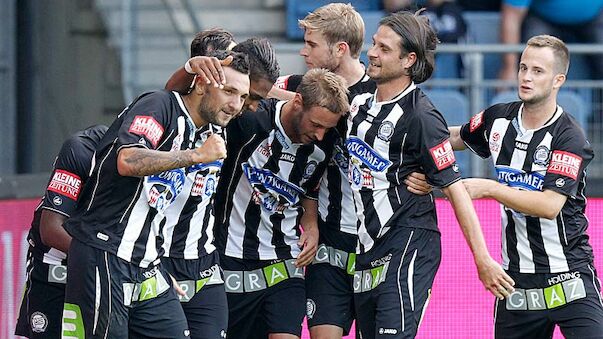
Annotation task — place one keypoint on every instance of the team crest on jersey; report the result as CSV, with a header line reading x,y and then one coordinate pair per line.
x,y
515,178
65,183
386,130
368,156
476,121
310,168
542,155
565,163
164,187
148,127
442,155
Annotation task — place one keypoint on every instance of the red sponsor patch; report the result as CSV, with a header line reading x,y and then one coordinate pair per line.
x,y
281,82
65,183
442,155
148,127
476,121
565,163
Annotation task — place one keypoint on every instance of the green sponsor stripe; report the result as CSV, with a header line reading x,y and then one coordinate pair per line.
x,y
554,296
351,263
200,284
275,273
148,289
376,273
73,324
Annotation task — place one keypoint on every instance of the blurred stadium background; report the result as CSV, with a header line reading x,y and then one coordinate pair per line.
x,y
66,64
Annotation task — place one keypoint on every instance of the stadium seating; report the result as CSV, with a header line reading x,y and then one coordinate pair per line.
x,y
571,102
454,106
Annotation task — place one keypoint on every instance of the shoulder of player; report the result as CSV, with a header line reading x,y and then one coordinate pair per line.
x,y
568,129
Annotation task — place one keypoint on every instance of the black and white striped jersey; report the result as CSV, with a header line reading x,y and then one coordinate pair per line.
x,y
70,171
387,141
188,225
263,181
335,200
553,157
116,212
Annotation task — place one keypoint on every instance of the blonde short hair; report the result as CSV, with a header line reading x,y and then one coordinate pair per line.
x,y
337,22
562,57
321,87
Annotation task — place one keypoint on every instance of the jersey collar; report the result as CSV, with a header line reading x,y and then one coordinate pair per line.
x,y
185,111
524,130
409,89
282,137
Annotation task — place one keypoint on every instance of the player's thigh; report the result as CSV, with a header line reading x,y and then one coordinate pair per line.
x,y
41,310
245,315
330,299
159,317
93,306
207,313
284,306
519,324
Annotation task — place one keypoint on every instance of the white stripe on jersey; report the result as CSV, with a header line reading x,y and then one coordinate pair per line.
x,y
133,227
526,259
348,213
236,228
499,126
150,252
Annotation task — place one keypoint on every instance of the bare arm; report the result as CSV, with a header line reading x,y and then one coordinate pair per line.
x,y
510,33
308,239
280,94
180,81
490,273
455,138
138,162
52,232
549,202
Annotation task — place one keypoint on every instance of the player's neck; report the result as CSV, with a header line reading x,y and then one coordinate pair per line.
x,y
352,70
536,115
392,88
192,102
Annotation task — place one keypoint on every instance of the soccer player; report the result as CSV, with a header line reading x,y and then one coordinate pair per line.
x,y
391,133
333,38
540,154
267,189
188,226
42,304
122,290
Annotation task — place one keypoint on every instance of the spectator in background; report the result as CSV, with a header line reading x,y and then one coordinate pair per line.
x,y
446,18
578,21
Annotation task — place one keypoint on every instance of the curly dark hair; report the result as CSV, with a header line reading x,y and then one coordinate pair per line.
x,y
262,58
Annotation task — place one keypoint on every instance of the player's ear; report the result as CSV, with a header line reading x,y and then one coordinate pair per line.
x,y
200,86
341,48
298,101
559,80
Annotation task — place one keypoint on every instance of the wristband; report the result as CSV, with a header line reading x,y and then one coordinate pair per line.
x,y
188,68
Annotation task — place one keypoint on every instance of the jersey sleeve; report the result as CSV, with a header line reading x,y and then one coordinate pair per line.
x,y
570,154
474,134
70,171
313,183
288,82
437,156
146,122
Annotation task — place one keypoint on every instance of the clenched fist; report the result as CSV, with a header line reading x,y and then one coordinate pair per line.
x,y
214,148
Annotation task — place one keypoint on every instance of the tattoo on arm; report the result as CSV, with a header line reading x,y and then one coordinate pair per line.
x,y
141,162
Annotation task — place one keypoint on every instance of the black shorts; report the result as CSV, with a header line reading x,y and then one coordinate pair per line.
x,y
263,297
392,283
329,293
570,300
107,297
42,305
204,304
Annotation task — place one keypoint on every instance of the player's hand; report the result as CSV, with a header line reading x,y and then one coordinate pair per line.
x,y
214,148
209,69
417,184
479,188
308,241
177,287
494,278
